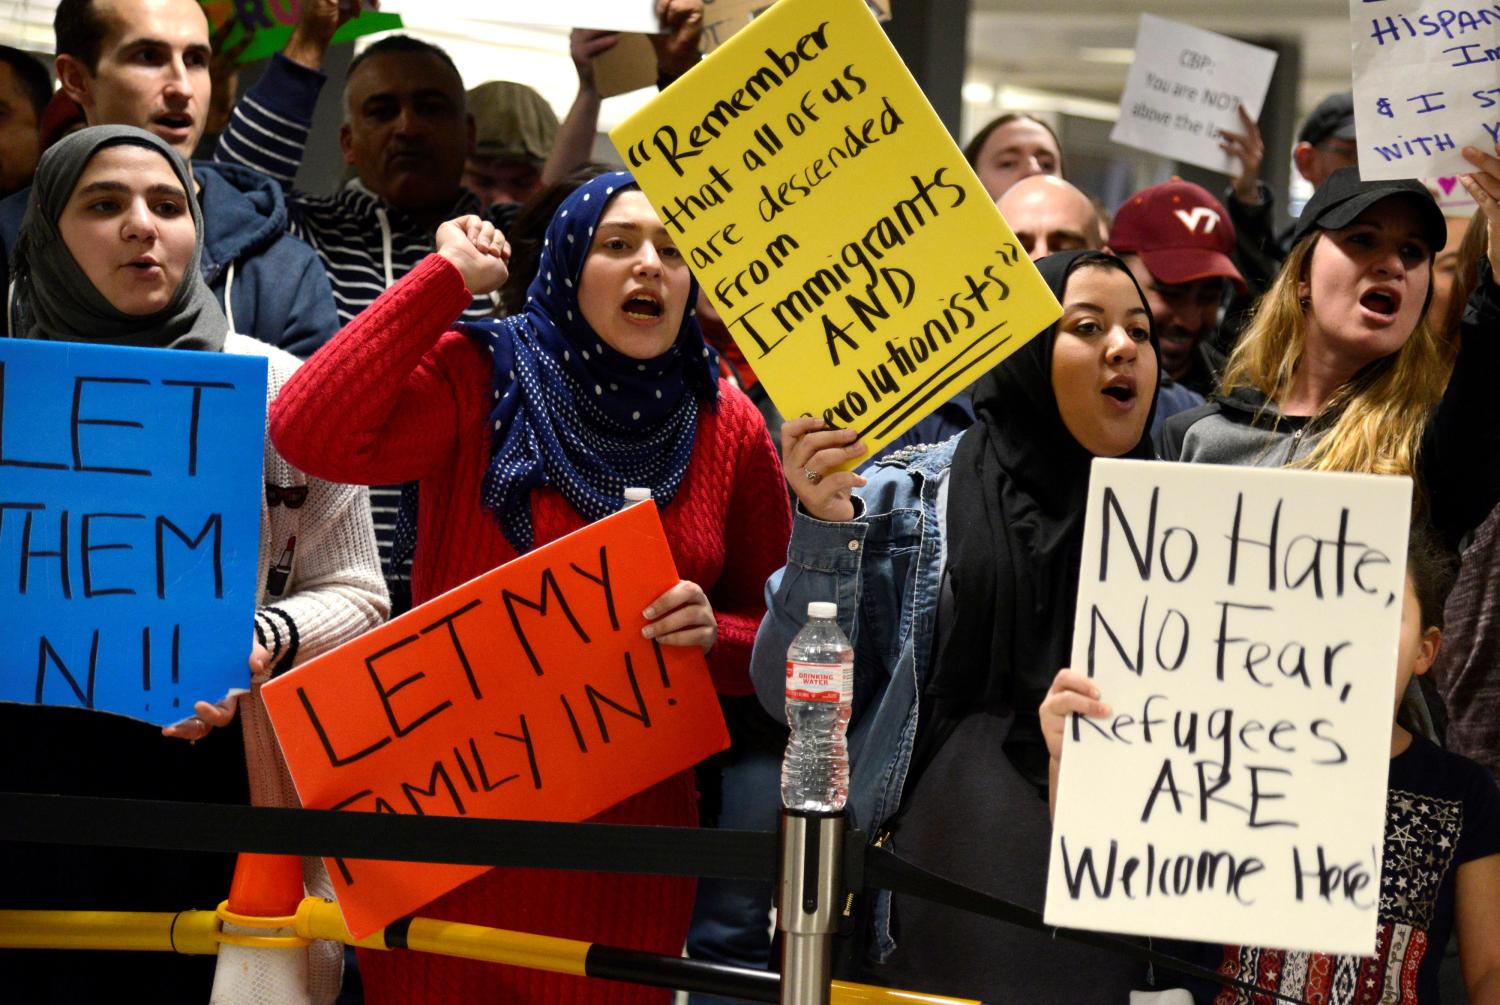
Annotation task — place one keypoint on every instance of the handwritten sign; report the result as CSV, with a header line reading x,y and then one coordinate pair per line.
x,y
722,18
1242,624
130,486
528,693
1452,198
1186,85
846,243
613,15
1425,84
270,24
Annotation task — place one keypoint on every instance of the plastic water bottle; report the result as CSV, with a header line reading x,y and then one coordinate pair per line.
x,y
819,695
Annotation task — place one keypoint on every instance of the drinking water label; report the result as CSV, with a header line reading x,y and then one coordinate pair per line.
x,y
832,682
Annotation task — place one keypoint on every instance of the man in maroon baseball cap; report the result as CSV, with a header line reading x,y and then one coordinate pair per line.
x,y
1177,239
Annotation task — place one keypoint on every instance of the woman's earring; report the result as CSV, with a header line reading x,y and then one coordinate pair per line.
x,y
1304,303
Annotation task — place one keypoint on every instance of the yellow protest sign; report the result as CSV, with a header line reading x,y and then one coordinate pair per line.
x,y
845,242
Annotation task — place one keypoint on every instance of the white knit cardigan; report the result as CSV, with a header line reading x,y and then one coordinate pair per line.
x,y
332,592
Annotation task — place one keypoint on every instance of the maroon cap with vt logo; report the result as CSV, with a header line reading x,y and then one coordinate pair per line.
x,y
1180,231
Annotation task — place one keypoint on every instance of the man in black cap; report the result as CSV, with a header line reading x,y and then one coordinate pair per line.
x,y
1325,143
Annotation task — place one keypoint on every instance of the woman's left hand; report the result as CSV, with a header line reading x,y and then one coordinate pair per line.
x,y
208,715
682,617
1484,188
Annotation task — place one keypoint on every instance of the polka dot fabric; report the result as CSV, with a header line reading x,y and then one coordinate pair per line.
x,y
571,412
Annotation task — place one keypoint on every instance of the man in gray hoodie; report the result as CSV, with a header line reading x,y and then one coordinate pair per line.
x,y
145,63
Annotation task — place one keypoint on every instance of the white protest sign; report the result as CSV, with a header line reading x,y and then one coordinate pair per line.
x,y
1426,84
1242,624
1184,87
615,15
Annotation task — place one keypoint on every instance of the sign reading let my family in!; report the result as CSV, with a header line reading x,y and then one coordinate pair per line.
x,y
528,693
1242,625
129,525
846,244
1185,85
1426,84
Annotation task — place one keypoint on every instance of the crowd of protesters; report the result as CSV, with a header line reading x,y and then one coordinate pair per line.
x,y
483,338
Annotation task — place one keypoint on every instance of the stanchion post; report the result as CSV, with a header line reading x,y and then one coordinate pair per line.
x,y
807,909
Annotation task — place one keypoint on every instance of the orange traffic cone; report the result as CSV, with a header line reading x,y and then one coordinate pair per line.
x,y
261,959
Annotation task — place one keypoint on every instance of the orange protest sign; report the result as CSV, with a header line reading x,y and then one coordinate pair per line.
x,y
528,693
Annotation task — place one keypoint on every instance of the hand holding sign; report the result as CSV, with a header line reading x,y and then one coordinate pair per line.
x,y
1248,150
677,43
1484,187
682,617
815,460
209,716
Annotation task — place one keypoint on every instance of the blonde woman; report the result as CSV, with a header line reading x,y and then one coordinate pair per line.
x,y
1340,369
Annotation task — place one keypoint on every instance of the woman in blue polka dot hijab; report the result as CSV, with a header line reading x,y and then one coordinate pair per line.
x,y
578,408
520,431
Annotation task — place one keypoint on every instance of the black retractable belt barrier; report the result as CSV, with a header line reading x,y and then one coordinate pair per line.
x,y
663,851
172,826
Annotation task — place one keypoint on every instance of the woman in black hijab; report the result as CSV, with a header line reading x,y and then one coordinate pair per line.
x,y
955,567
108,255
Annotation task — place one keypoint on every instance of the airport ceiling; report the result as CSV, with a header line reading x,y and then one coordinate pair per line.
x,y
1081,47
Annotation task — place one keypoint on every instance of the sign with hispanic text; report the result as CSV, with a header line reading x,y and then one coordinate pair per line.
x,y
1185,85
1426,84
528,693
130,487
846,244
1241,624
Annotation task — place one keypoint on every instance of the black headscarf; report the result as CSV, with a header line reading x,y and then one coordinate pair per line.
x,y
1016,500
59,301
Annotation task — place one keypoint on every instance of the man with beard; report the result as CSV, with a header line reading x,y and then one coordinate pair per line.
x,y
1176,238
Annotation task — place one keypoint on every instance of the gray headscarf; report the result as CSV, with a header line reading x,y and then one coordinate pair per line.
x,y
58,300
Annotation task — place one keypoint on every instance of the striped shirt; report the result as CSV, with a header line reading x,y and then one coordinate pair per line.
x,y
365,243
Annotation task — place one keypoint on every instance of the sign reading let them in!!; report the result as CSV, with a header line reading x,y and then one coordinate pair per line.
x,y
129,525
845,242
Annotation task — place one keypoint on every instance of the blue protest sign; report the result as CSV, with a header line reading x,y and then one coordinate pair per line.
x,y
130,483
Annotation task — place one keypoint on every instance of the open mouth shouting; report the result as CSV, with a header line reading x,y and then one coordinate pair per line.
x,y
642,307
1381,303
1121,392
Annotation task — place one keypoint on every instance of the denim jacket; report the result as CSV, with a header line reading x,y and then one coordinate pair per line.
x,y
884,569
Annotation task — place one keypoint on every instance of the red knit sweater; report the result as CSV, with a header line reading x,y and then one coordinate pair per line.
x,y
397,397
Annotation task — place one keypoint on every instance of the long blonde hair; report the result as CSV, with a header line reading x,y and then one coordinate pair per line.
x,y
1374,422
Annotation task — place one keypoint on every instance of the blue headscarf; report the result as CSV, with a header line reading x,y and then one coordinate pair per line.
x,y
572,412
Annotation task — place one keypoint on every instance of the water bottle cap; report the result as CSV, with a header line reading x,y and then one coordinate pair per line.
x,y
822,609
635,494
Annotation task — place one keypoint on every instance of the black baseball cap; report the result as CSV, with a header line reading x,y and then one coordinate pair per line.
x,y
1333,118
1344,196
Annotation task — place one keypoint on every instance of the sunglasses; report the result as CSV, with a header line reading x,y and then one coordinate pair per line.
x,y
290,496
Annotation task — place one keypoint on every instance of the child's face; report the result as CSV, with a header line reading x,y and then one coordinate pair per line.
x,y
1418,645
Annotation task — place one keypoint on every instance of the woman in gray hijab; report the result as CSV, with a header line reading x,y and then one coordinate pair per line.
x,y
108,254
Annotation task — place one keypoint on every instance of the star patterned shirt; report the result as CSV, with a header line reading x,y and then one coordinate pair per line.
x,y
1442,810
